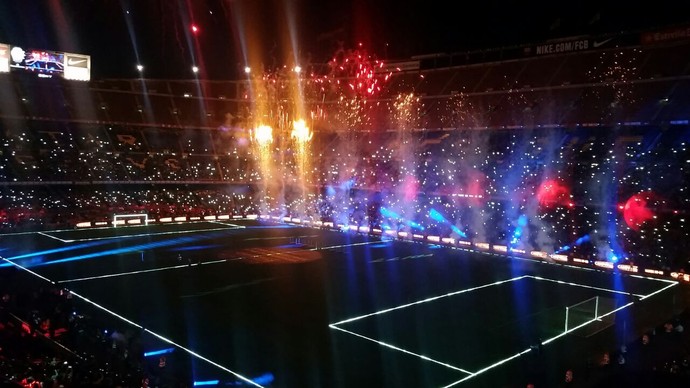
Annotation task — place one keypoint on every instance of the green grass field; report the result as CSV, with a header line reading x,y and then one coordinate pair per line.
x,y
241,300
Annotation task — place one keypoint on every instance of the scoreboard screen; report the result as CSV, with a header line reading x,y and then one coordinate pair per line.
x,y
45,63
39,61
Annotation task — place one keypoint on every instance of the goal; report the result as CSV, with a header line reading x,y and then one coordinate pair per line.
x,y
130,219
592,316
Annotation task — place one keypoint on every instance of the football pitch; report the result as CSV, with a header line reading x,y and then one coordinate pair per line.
x,y
253,303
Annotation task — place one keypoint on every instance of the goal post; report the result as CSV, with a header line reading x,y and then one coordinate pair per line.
x,y
581,313
590,316
130,219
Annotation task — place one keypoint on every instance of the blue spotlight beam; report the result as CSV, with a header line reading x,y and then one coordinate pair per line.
x,y
54,250
517,232
228,227
389,213
438,217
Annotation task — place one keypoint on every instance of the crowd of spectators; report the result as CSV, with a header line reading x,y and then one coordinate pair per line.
x,y
623,192
41,208
49,338
660,357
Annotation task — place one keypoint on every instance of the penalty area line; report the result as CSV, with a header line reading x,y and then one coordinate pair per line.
x,y
56,238
423,357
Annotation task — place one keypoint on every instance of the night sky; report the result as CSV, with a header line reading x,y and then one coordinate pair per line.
x,y
118,34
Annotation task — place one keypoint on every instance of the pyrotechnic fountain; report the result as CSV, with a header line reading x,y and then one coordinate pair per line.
x,y
284,106
280,138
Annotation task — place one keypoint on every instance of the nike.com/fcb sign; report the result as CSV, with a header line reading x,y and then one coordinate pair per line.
x,y
45,63
569,46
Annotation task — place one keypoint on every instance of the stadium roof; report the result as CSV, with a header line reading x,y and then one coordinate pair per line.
x,y
119,34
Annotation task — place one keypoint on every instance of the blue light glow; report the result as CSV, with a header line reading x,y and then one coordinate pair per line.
x,y
436,216
206,382
158,352
415,225
582,240
517,233
389,213
522,220
195,248
347,185
264,379
54,250
457,231
133,248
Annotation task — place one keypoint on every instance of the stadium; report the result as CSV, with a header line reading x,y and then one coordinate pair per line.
x,y
491,218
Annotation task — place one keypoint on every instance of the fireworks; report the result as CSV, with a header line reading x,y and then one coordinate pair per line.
x,y
528,189
263,135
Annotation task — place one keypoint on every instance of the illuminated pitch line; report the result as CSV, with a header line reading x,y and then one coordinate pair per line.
x,y
262,252
595,319
586,286
545,342
427,300
197,355
225,223
54,231
229,288
489,367
333,326
27,270
396,258
57,238
112,275
651,278
52,341
156,234
658,291
471,375
278,238
216,261
345,245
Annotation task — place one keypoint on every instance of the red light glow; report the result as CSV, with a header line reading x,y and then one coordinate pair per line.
x,y
637,210
552,193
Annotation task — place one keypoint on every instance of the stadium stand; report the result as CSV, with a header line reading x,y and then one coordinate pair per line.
x,y
71,152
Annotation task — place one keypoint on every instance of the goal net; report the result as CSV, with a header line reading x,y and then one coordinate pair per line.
x,y
590,316
130,219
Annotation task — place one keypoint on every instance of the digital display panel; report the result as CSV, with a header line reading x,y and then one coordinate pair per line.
x,y
45,63
39,61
